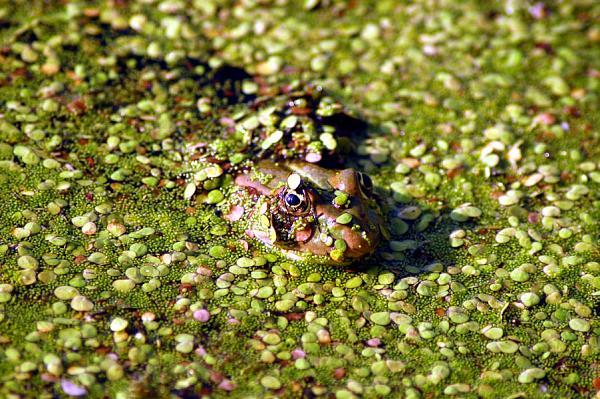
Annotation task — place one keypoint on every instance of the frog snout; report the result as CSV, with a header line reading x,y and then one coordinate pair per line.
x,y
360,238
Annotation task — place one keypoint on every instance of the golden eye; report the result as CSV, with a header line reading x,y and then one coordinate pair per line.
x,y
365,183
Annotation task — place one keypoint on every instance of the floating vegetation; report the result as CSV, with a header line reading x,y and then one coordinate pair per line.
x,y
130,266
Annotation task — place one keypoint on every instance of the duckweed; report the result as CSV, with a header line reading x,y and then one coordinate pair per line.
x,y
128,268
270,382
381,318
81,304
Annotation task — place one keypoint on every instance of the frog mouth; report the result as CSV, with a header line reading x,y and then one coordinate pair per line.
x,y
314,249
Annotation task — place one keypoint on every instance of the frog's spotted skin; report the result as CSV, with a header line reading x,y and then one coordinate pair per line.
x,y
304,209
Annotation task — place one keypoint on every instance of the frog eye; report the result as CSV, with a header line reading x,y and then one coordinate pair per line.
x,y
366,184
295,203
292,200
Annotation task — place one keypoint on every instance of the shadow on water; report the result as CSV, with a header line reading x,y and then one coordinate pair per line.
x,y
416,251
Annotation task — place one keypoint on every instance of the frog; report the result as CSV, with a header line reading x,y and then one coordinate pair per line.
x,y
308,212
281,167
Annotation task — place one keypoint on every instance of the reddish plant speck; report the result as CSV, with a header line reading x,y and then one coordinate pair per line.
x,y
79,259
411,162
572,111
496,194
201,315
216,377
339,373
298,354
452,173
91,12
301,111
294,316
185,287
90,161
545,118
47,377
227,385
77,107
533,217
19,73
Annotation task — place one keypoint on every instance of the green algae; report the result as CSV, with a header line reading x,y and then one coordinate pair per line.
x,y
482,141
